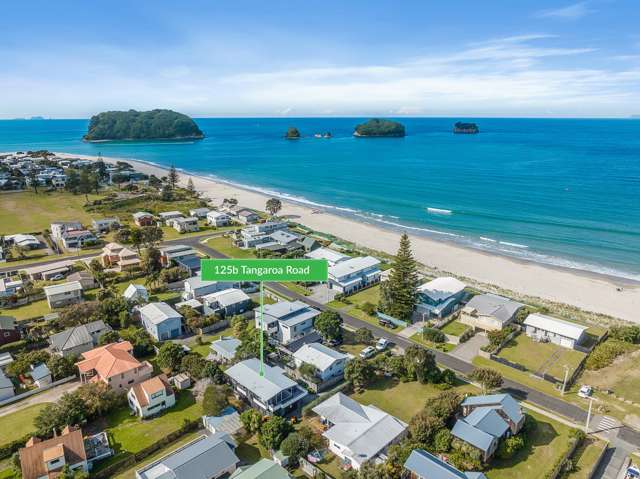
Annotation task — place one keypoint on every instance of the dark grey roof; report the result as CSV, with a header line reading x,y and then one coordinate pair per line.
x,y
7,322
73,337
499,307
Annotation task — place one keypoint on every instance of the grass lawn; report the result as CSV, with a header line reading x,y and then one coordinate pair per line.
x,y
417,338
454,328
131,435
167,296
251,451
28,311
225,246
543,446
171,233
18,424
585,458
204,348
403,400
369,295
27,212
541,357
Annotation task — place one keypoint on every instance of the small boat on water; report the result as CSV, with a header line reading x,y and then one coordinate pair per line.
x,y
322,135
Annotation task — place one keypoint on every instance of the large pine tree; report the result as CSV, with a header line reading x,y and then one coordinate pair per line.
x,y
398,294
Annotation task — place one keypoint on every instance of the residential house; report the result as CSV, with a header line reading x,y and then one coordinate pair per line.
x,y
105,225
49,271
142,218
23,240
218,218
504,404
161,321
5,360
40,375
328,363
114,364
263,469
77,340
60,295
358,433
85,278
78,238
423,465
206,457
59,228
228,421
10,286
9,331
118,257
6,387
558,331
489,312
180,381
309,244
45,459
354,274
169,254
199,212
247,216
226,303
191,264
223,350
439,298
136,293
151,397
286,321
185,225
260,233
195,287
168,216
192,303
272,393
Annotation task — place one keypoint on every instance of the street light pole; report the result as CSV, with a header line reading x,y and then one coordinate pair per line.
x,y
564,383
586,428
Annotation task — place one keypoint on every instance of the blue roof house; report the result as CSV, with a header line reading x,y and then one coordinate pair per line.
x,y
161,321
422,465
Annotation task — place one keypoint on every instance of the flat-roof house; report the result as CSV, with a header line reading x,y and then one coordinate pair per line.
x,y
195,287
558,331
167,217
247,216
333,257
161,321
199,212
136,293
423,465
175,253
489,312
45,459
284,238
60,295
354,274
272,393
358,433
78,238
105,225
286,321
142,218
49,271
6,387
113,364
85,278
118,257
263,469
185,225
328,362
223,349
40,375
227,302
260,233
61,227
440,297
218,218
191,264
77,340
9,331
151,397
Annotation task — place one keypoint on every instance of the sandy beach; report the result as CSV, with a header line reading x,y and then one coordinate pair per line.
x,y
590,292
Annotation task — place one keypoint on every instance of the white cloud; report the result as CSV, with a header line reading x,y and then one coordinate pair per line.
x,y
570,12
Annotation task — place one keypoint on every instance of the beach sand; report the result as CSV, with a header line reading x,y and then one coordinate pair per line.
x,y
590,292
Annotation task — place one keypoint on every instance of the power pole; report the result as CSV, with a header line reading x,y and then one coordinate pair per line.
x,y
586,428
564,383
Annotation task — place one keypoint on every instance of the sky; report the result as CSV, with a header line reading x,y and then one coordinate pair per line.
x,y
218,58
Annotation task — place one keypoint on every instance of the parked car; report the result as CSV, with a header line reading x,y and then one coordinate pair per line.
x,y
367,352
386,323
585,391
57,277
333,342
382,344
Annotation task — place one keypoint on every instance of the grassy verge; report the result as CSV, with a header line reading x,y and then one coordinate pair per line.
x,y
417,338
585,458
18,424
28,311
225,246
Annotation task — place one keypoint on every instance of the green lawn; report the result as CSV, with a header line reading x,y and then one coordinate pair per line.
x,y
171,233
454,328
543,447
403,400
417,338
538,357
204,348
7,474
585,458
28,311
166,296
369,295
225,246
18,424
251,451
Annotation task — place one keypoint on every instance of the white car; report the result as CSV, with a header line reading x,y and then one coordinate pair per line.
x,y
585,391
382,344
367,352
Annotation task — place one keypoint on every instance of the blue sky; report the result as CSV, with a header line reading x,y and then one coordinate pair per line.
x,y
71,59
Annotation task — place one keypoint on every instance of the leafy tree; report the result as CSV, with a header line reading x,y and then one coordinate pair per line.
x,y
23,361
442,440
251,420
398,295
154,181
465,457
628,334
166,194
152,235
136,237
424,426
273,206
273,431
150,261
190,187
173,178
215,400
73,181
488,378
194,365
358,372
33,180
110,310
295,446
307,370
213,371
99,399
140,339
420,363
444,405
397,455
250,344
329,325
170,356
69,410
61,367
84,184
510,446
109,337
433,335
364,336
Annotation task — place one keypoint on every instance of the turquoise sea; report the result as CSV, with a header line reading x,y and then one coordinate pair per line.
x,y
561,192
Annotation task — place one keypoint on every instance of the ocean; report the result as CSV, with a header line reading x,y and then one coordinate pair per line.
x,y
562,192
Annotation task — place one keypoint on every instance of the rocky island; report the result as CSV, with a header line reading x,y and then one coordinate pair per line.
x,y
466,128
377,128
292,133
142,125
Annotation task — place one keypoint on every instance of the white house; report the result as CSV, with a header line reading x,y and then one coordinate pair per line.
x,y
60,295
136,293
61,227
257,234
104,225
23,240
167,217
152,396
195,287
439,298
328,362
558,331
333,257
77,238
286,321
199,212
161,321
185,225
223,349
358,433
218,218
227,302
354,274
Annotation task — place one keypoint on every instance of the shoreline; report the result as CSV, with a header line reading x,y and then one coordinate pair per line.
x,y
590,291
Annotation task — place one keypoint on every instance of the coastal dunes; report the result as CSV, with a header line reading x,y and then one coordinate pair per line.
x,y
591,292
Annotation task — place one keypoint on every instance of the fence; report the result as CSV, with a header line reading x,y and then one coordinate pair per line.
x,y
22,396
312,471
391,319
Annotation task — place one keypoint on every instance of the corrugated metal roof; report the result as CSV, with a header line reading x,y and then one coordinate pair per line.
x,y
555,325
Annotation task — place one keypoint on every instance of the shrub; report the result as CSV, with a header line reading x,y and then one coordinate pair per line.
x,y
627,334
467,334
510,446
433,335
604,354
214,400
369,308
364,336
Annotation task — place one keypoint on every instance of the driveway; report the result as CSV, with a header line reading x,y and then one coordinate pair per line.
x,y
321,293
469,350
50,395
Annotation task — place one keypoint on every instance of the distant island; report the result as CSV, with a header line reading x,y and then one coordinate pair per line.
x,y
466,128
292,133
142,125
379,128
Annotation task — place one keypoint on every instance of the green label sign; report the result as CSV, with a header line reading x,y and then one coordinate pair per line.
x,y
282,270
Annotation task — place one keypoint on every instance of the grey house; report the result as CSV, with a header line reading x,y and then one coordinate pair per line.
x,y
75,341
226,303
161,321
490,312
423,465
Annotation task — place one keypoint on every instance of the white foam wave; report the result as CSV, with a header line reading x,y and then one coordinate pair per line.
x,y
490,240
514,245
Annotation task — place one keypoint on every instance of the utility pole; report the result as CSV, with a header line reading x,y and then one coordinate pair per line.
x,y
586,428
564,383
